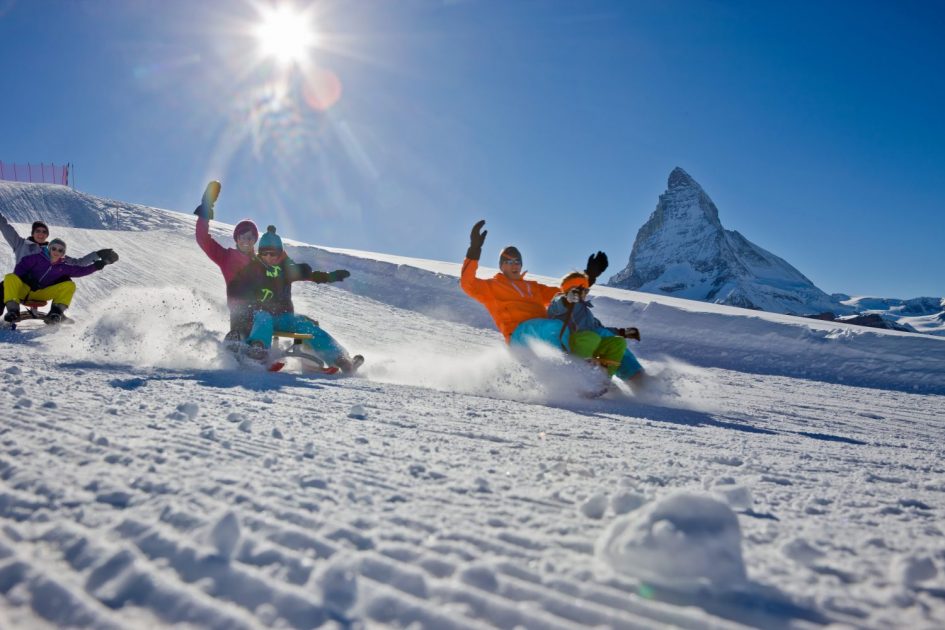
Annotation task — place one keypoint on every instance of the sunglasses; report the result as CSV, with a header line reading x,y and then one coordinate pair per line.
x,y
269,253
511,261
58,249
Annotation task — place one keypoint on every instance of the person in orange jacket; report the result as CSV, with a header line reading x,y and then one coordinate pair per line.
x,y
518,306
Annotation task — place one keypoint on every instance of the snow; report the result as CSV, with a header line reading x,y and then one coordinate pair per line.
x,y
774,472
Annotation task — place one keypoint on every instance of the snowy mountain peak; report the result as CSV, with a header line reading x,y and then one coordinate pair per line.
x,y
683,250
679,178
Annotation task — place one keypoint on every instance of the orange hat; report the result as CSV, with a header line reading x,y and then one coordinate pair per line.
x,y
573,280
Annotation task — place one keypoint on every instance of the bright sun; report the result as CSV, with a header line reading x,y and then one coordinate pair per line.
x,y
285,35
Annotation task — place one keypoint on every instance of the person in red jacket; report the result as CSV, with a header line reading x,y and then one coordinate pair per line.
x,y
231,261
518,306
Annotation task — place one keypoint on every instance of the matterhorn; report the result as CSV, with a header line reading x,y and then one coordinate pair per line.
x,y
683,250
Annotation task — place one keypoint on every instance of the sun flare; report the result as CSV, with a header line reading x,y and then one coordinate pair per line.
x,y
285,34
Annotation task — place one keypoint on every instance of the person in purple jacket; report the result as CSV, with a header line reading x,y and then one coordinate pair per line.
x,y
44,276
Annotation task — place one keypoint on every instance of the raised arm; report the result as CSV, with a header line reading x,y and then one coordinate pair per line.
x,y
213,250
14,239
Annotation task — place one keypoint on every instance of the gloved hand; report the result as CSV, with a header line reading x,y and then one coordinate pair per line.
x,y
573,296
476,238
210,194
99,264
108,255
629,333
338,275
596,264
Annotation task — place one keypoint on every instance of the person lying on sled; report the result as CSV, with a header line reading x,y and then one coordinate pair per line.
x,y
269,278
44,276
583,334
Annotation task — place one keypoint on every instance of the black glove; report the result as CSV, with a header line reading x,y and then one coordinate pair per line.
x,y
108,255
210,194
338,275
476,238
596,264
629,333
304,270
99,264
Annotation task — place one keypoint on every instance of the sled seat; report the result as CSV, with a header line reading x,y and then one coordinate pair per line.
x,y
291,335
33,303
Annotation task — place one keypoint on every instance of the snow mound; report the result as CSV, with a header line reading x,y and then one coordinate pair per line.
x,y
685,542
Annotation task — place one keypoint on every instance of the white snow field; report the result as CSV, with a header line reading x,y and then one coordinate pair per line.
x,y
776,472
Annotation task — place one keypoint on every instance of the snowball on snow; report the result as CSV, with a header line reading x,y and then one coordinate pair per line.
x,y
683,541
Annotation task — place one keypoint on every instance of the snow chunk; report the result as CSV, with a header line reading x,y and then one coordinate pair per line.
x,y
911,570
358,412
595,506
189,409
339,586
739,497
802,552
626,501
682,541
225,535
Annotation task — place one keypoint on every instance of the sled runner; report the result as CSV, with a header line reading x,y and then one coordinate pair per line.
x,y
29,311
275,358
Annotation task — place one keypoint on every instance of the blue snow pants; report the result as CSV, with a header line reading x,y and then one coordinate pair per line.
x,y
549,331
321,343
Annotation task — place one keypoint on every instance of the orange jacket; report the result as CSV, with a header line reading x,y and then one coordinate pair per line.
x,y
510,303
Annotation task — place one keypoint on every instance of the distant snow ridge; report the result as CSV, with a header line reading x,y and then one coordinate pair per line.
x,y
62,206
683,250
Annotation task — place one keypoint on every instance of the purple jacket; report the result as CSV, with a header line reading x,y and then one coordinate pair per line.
x,y
38,272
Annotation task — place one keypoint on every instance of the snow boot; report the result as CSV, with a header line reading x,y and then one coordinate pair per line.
x,y
55,315
257,351
13,312
350,366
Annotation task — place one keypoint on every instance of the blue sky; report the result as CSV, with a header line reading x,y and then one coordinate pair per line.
x,y
816,127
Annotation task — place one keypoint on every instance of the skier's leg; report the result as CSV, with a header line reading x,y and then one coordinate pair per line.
x,y
550,331
241,320
322,344
584,343
60,294
611,351
263,327
14,289
630,369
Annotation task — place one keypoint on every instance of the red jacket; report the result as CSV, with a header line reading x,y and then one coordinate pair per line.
x,y
230,260
510,303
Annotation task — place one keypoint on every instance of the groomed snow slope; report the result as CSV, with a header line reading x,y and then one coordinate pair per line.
x,y
776,472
